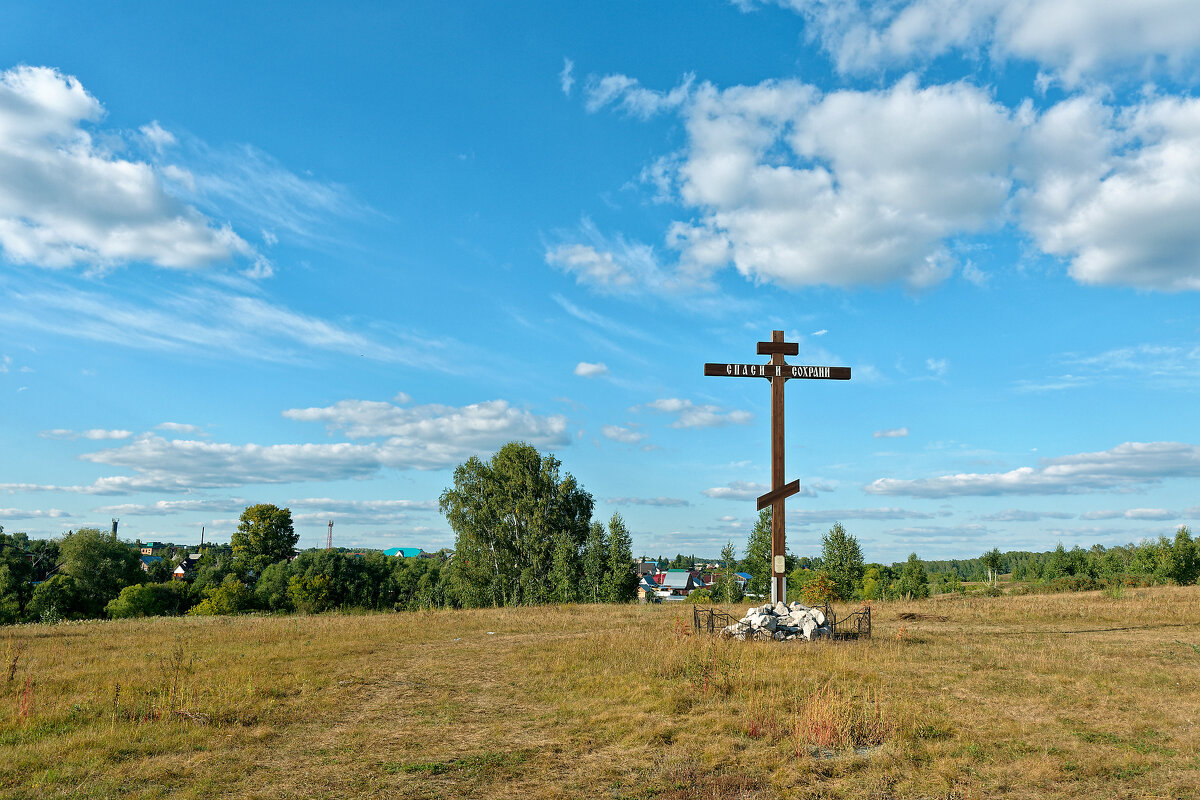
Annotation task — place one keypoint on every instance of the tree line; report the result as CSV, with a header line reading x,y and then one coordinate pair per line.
x,y
840,572
524,535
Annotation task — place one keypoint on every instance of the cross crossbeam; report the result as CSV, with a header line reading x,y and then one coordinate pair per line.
x,y
778,372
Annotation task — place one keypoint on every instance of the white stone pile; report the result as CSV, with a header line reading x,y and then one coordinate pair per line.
x,y
781,622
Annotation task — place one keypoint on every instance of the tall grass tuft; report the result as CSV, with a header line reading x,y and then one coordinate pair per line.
x,y
25,702
834,716
12,654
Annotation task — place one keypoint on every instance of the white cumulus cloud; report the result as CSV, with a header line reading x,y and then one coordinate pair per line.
x,y
737,490
623,434
586,370
851,187
66,199
691,415
1075,40
1116,193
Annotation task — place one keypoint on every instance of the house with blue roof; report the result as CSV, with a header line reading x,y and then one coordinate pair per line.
x,y
148,560
403,552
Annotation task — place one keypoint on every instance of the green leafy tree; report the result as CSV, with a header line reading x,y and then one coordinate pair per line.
x,y
264,535
150,600
564,570
431,591
913,582
54,599
271,588
757,562
212,569
620,581
101,566
506,514
948,582
819,589
842,559
726,589
595,555
231,597
700,596
312,594
418,584
872,586
160,571
992,562
16,577
1182,564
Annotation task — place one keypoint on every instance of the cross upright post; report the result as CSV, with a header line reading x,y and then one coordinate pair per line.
x,y
778,371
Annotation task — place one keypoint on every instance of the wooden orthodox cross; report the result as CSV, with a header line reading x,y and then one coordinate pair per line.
x,y
777,372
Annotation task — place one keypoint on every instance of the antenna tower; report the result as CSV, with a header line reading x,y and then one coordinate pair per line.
x,y
329,537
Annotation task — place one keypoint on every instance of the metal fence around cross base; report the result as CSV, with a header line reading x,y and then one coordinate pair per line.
x,y
855,625
710,620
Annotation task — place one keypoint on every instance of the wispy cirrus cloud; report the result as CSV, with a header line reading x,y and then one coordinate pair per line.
x,y
1020,515
891,433
1152,514
202,320
566,77
360,512
95,434
1161,365
837,514
662,502
630,96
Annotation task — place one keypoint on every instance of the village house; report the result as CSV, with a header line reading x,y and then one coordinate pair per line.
x,y
404,552
648,590
186,568
679,583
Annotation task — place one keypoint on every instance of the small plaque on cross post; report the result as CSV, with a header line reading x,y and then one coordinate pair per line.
x,y
777,371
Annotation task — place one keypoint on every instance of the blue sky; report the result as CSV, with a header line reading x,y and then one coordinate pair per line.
x,y
314,257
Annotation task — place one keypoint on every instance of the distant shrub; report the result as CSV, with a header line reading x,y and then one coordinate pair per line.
x,y
231,597
1069,583
699,596
821,589
150,600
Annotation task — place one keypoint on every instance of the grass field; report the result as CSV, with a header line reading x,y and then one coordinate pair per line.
x,y
1036,696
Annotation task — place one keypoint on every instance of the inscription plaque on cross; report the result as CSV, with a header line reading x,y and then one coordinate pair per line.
x,y
778,372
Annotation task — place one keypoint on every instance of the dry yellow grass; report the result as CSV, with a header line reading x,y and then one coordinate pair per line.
x,y
1035,696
